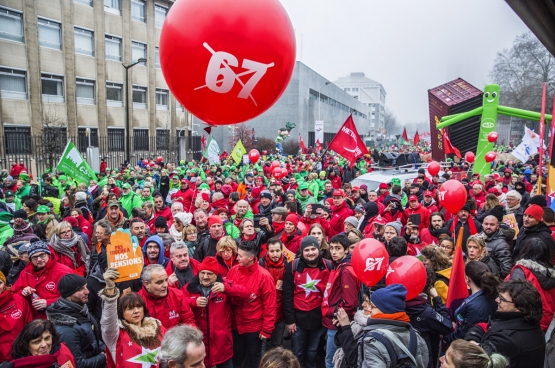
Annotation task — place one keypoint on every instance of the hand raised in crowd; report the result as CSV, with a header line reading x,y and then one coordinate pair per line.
x,y
110,276
220,287
172,279
342,318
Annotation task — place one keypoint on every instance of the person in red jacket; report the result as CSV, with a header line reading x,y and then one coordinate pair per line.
x,y
292,235
274,262
429,203
415,208
15,170
384,192
16,314
162,210
164,303
182,268
478,194
335,180
184,195
339,212
210,298
310,218
430,234
38,281
341,291
255,317
69,249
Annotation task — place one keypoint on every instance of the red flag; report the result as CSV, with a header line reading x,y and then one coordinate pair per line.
x,y
318,145
458,290
416,138
448,146
347,142
405,136
203,142
301,145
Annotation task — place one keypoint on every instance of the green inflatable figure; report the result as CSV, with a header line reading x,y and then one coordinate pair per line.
x,y
489,110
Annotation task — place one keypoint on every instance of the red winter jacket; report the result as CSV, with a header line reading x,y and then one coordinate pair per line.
x,y
427,238
258,313
223,267
424,216
433,207
45,281
15,170
318,220
277,270
335,182
338,216
293,241
185,197
65,260
193,263
214,320
62,357
166,213
15,313
172,310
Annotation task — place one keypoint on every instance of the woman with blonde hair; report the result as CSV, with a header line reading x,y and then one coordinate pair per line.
x,y
491,206
317,231
435,258
226,254
279,358
478,251
70,249
190,237
464,354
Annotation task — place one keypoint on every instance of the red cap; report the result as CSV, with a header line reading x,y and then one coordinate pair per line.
x,y
354,189
379,220
494,191
428,194
72,221
413,198
293,218
184,181
255,193
338,193
383,186
214,220
210,264
205,197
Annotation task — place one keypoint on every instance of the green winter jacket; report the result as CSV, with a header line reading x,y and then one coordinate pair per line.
x,y
232,230
130,201
5,232
304,201
23,192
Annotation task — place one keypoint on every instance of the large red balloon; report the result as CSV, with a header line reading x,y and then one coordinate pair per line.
x,y
284,172
490,156
408,271
492,137
254,156
145,161
159,159
469,157
433,168
370,260
231,62
277,173
452,196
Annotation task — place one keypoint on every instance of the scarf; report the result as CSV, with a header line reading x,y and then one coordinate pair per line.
x,y
64,246
92,188
470,222
513,209
220,203
176,235
278,227
399,316
46,220
147,334
252,237
360,321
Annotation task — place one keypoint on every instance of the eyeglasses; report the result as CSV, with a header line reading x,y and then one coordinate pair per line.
x,y
446,246
504,300
36,257
66,232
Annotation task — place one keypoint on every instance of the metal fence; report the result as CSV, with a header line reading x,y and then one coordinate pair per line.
x,y
36,151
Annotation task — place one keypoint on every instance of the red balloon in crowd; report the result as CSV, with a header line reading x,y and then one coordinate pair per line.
x,y
452,196
492,137
159,159
408,271
236,63
490,156
254,156
151,163
284,172
433,168
145,161
275,164
370,260
303,228
277,173
264,153
469,157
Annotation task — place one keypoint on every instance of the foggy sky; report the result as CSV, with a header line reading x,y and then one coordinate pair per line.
x,y
408,46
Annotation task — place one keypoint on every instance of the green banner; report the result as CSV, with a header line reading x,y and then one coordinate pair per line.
x,y
238,152
74,165
212,152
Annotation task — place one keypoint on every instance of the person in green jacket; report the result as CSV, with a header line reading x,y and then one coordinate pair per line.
x,y
23,189
128,199
321,184
230,229
5,229
11,200
146,195
313,185
303,196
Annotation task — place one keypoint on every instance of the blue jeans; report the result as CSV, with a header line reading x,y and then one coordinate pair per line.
x,y
305,343
330,348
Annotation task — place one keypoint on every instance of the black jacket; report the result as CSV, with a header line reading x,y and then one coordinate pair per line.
x,y
540,231
80,331
5,262
466,231
205,248
261,238
510,335
16,269
499,250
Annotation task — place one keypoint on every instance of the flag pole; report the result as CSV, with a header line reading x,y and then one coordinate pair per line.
x,y
542,129
550,168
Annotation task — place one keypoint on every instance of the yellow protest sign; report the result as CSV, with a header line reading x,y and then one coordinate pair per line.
x,y
510,220
125,255
238,152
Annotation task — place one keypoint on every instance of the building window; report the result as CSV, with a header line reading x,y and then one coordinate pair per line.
x,y
159,15
84,41
55,138
138,10
13,83
113,94
138,51
139,97
113,48
161,99
157,57
162,139
85,91
347,89
140,139
11,25
112,6
116,139
52,88
355,89
88,137
178,106
86,2
17,140
49,34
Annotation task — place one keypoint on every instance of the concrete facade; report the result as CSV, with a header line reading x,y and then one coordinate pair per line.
x,y
300,104
29,55
370,93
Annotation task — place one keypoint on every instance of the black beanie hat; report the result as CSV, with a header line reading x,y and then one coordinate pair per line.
x,y
497,211
309,241
69,284
539,200
161,222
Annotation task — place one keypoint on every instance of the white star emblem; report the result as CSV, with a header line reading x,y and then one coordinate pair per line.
x,y
147,358
309,286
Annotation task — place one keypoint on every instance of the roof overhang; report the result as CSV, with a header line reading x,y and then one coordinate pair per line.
x,y
539,16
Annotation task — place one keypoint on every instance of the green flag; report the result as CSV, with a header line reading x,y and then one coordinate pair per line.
x,y
212,152
238,152
73,164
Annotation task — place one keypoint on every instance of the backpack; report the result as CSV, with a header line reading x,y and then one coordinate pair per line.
x,y
406,359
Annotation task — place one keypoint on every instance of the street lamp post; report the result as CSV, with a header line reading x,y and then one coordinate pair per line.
x,y
127,67
319,99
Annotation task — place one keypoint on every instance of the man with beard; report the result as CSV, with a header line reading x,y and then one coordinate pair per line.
x,y
498,249
242,211
181,268
533,227
304,282
429,203
430,234
164,303
77,328
470,224
138,229
207,246
153,251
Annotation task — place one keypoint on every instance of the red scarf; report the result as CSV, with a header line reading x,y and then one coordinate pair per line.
x,y
470,222
252,237
278,227
220,203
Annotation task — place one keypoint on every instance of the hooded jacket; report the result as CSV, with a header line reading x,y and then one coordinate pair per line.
x,y
338,216
130,200
499,250
161,259
277,270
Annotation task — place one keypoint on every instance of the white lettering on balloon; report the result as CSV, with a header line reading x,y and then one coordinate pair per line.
x,y
373,263
220,77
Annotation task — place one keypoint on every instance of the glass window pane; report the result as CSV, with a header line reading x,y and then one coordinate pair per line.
x,y
159,15
113,48
84,41
138,50
52,87
139,96
11,25
157,57
138,10
49,34
113,92
12,83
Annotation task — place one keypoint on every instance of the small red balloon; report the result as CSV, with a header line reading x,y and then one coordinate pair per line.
x,y
151,163
277,173
408,271
303,228
145,162
452,196
254,156
264,153
492,137
275,164
469,157
370,260
490,156
159,159
433,168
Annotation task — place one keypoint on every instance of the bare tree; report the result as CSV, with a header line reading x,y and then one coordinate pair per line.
x,y
53,137
265,144
242,132
391,124
291,147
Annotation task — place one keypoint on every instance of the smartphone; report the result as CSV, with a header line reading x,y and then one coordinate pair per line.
x,y
415,219
316,206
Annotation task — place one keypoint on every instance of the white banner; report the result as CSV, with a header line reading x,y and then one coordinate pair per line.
x,y
319,131
212,151
529,146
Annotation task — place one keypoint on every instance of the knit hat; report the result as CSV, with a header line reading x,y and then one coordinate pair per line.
x,y
465,208
351,220
20,214
184,217
69,284
535,211
43,209
38,246
396,225
266,194
383,186
539,200
80,196
364,187
309,241
212,220
2,277
210,264
293,219
255,193
205,196
72,221
359,209
161,222
390,299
